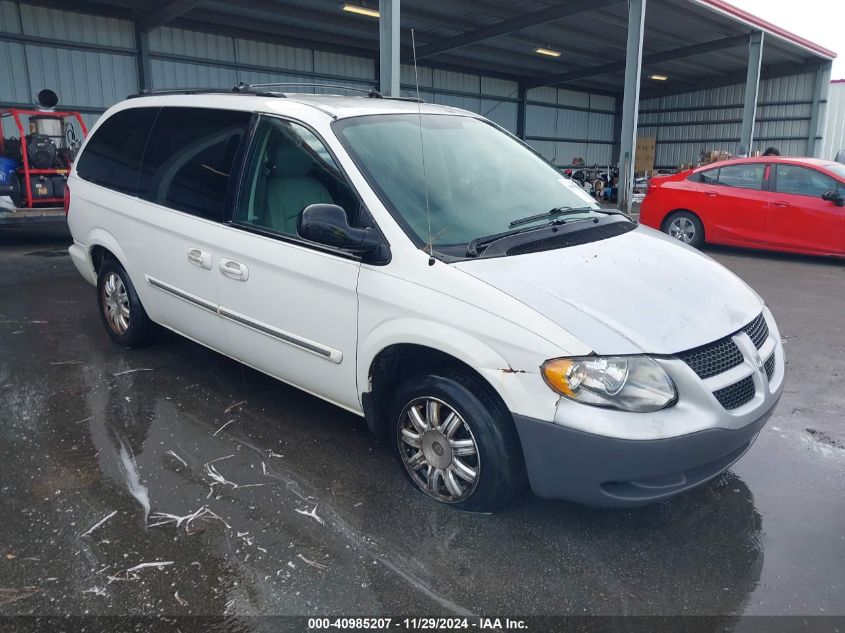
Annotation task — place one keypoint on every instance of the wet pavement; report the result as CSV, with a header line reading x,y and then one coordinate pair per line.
x,y
298,510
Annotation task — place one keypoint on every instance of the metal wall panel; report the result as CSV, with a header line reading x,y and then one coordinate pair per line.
x,y
572,124
540,121
458,82
834,126
344,65
9,21
192,44
473,104
546,149
600,127
14,88
689,123
274,56
545,94
499,87
169,74
573,98
76,27
424,76
501,112
81,78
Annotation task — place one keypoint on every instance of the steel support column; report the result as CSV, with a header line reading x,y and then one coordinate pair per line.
x,y
389,47
752,87
631,102
521,108
142,45
819,94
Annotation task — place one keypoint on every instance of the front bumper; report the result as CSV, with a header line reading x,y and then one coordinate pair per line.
x,y
594,470
606,457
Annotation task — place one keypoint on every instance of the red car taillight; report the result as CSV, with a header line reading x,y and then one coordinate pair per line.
x,y
67,199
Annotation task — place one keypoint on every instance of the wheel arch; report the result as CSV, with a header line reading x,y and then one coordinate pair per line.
x,y
101,245
395,361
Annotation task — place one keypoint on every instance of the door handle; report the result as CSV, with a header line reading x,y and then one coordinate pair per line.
x,y
711,194
781,203
233,270
199,258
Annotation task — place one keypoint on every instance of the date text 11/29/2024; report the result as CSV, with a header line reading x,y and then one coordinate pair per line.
x,y
417,624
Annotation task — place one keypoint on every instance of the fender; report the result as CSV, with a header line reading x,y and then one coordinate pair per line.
x,y
521,388
98,236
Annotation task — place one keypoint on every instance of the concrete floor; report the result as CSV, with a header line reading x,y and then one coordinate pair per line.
x,y
321,519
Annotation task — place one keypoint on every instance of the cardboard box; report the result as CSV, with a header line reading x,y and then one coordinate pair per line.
x,y
644,159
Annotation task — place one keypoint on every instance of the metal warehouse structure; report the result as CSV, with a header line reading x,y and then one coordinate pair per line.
x,y
575,78
834,129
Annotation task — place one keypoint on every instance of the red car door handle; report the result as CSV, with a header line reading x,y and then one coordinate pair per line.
x,y
712,194
780,203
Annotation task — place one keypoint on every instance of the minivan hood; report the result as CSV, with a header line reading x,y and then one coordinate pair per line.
x,y
640,292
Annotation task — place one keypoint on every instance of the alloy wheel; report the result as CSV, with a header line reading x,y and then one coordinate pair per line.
x,y
116,303
438,449
682,229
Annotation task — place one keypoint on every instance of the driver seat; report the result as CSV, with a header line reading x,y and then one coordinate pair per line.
x,y
290,188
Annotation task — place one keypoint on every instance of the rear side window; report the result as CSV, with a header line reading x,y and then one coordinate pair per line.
x,y
743,176
189,159
113,154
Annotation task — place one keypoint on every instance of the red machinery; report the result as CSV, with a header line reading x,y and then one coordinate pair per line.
x,y
37,162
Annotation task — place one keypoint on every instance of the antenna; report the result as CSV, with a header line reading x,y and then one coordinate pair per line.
x,y
422,151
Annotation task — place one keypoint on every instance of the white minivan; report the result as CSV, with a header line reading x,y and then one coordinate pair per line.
x,y
421,267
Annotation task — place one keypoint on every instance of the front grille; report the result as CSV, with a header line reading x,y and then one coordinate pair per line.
x,y
713,359
770,366
758,331
718,357
574,238
735,395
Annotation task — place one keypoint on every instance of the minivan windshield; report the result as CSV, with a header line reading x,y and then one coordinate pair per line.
x,y
478,180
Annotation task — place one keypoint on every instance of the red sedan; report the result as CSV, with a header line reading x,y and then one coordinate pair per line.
x,y
795,205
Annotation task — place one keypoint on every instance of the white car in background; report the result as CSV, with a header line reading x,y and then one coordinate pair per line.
x,y
502,329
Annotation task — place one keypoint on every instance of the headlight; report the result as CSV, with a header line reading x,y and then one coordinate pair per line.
x,y
629,383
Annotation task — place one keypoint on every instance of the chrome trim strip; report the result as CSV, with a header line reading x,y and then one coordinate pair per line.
x,y
181,294
333,355
329,354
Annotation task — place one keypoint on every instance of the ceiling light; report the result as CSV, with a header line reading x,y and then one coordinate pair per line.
x,y
358,9
548,52
658,77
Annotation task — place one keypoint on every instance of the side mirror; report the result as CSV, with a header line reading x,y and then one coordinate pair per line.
x,y
835,197
327,224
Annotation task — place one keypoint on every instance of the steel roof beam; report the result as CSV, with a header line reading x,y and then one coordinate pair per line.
x,y
510,25
653,58
167,13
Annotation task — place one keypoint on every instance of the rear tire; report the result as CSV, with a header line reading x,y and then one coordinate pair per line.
x,y
457,442
685,226
120,308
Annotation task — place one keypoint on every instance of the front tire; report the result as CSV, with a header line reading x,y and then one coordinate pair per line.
x,y
121,311
457,443
686,227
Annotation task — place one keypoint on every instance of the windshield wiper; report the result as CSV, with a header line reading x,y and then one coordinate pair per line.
x,y
551,213
473,245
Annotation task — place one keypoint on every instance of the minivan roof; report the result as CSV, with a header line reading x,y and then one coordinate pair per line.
x,y
336,106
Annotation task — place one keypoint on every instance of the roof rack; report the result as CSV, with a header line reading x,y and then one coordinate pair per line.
x,y
197,91
250,89
245,87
